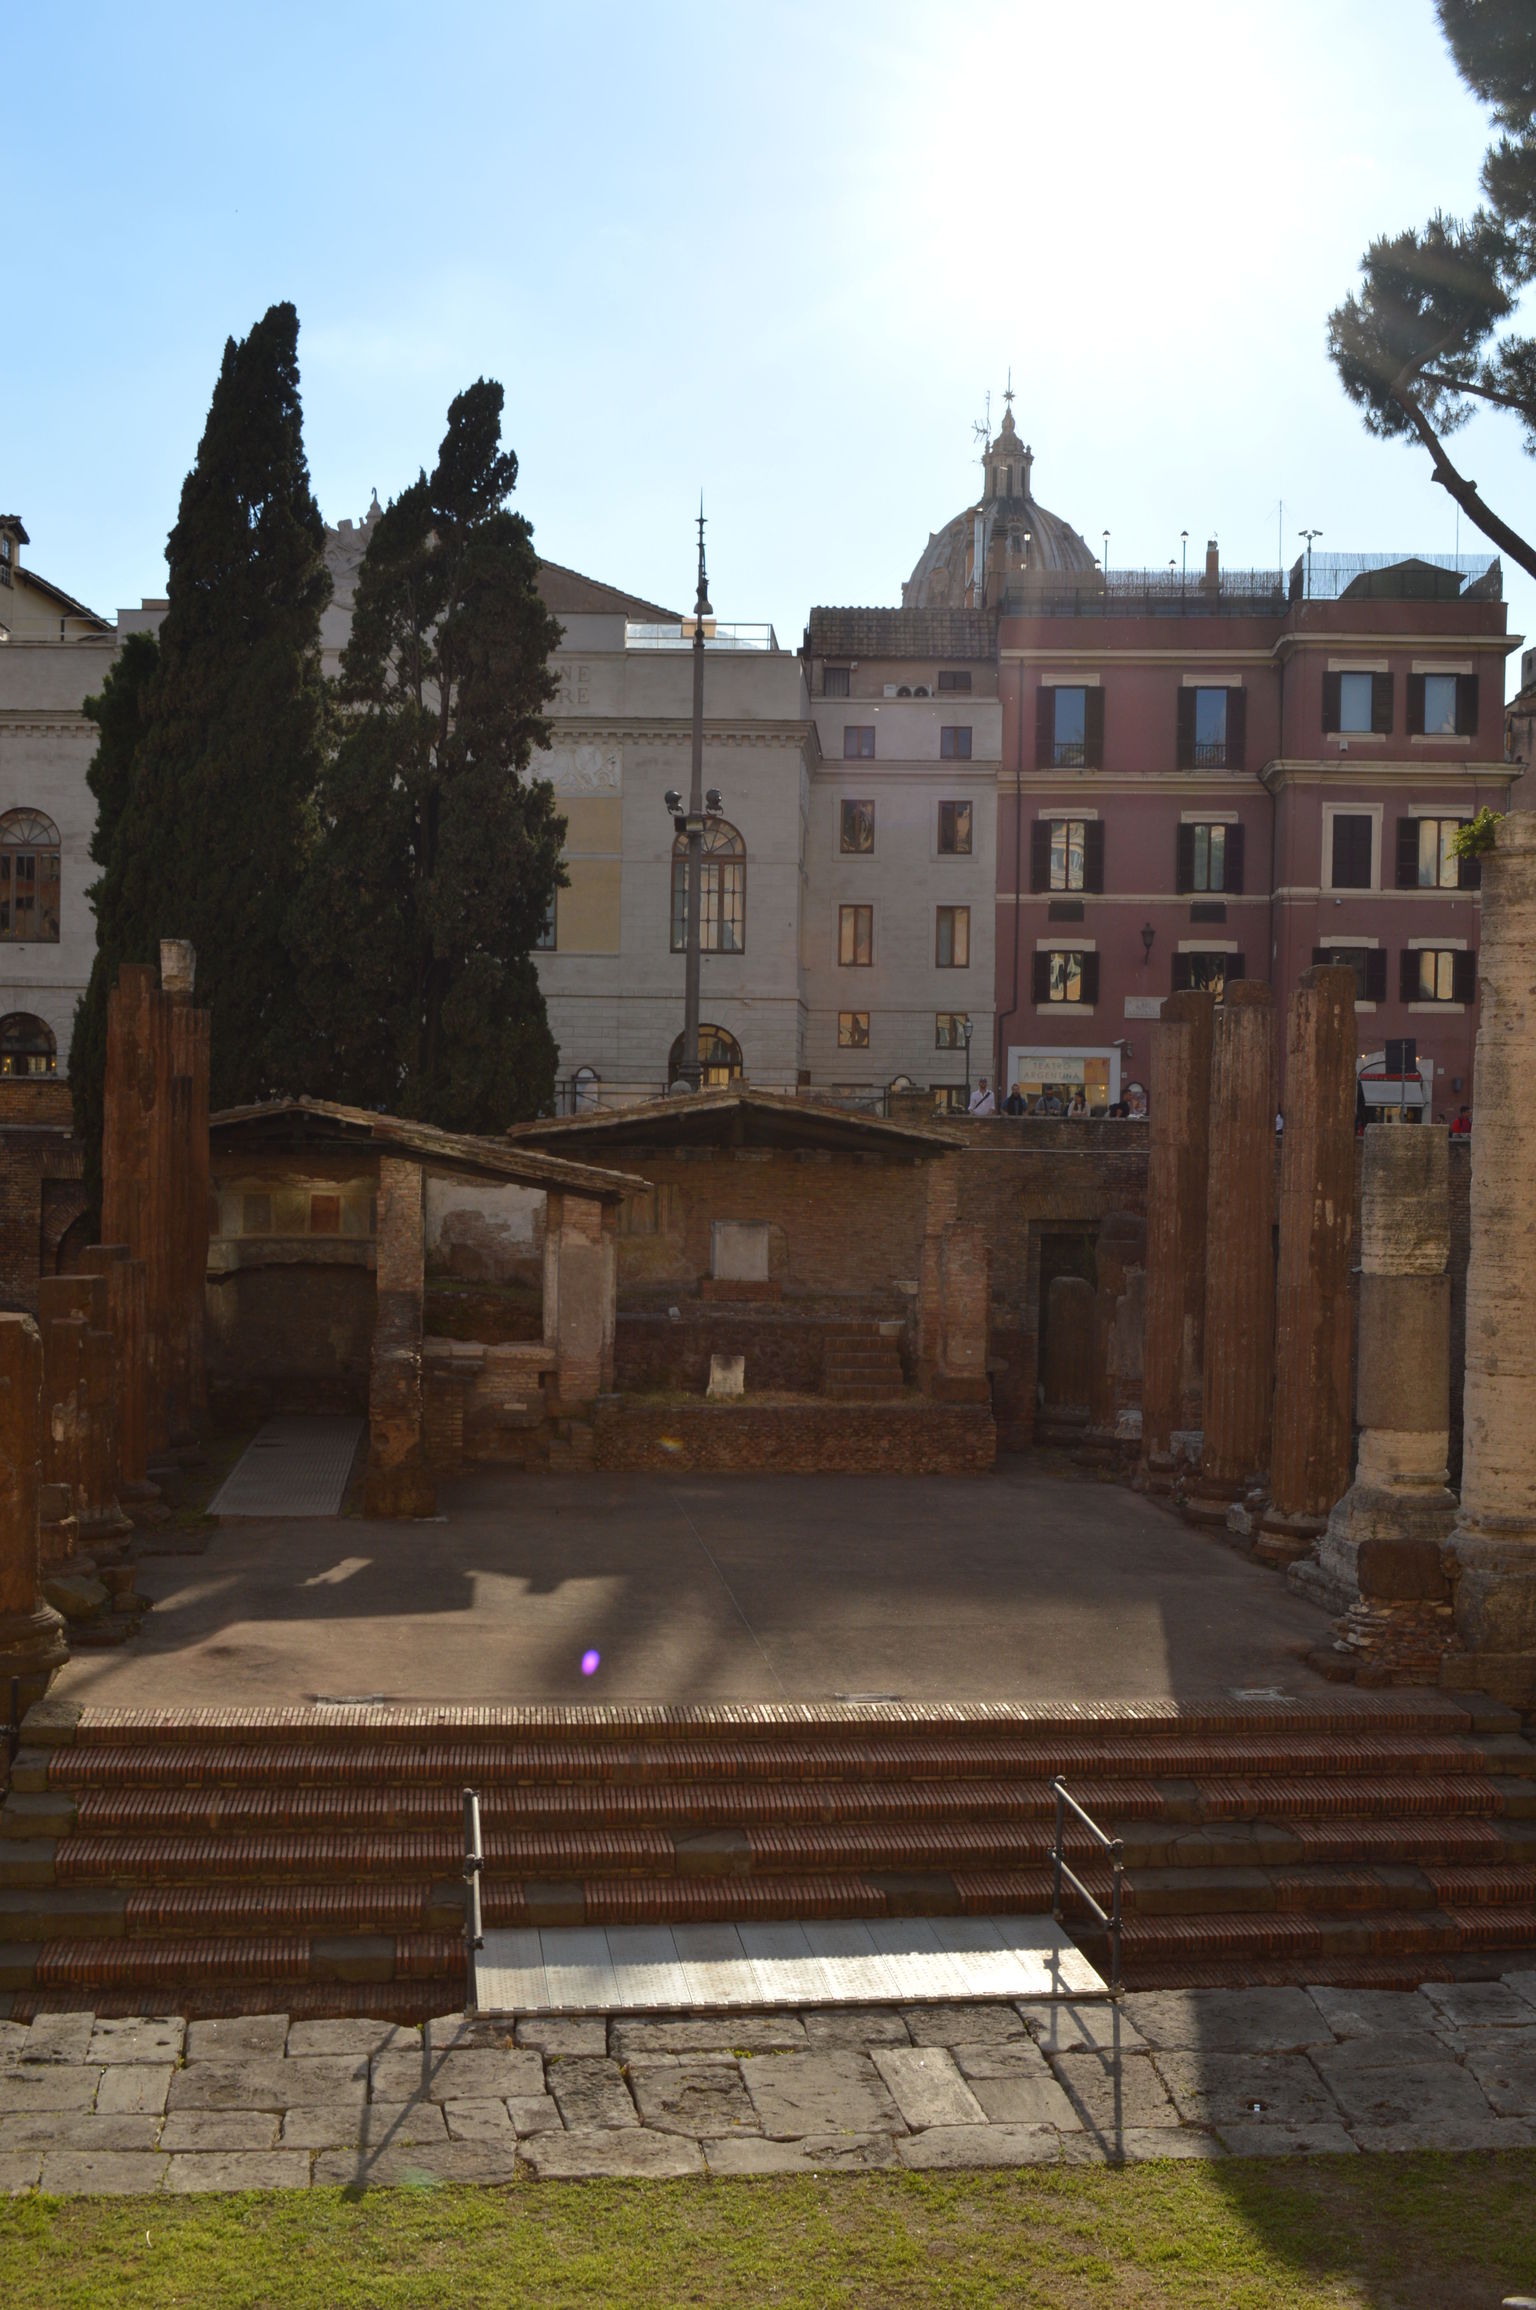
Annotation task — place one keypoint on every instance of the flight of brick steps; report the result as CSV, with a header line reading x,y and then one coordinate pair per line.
x,y
308,1859
861,1363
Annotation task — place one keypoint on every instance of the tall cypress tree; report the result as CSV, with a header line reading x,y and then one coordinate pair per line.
x,y
438,853
214,815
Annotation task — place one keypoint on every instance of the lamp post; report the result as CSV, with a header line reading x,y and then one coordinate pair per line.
x,y
1309,535
1183,560
691,822
966,1034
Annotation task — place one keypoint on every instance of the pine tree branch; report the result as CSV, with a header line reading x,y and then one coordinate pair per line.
x,y
1526,408
1465,492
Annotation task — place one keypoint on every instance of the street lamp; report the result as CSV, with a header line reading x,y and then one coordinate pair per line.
x,y
1183,559
1309,535
691,822
966,1035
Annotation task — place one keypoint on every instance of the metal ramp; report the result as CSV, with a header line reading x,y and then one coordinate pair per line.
x,y
295,1466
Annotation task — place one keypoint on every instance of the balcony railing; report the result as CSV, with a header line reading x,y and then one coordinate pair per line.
x,y
1212,755
1396,577
674,637
1133,593
1069,754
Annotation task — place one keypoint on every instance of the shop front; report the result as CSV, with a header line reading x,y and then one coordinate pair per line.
x,y
1041,1070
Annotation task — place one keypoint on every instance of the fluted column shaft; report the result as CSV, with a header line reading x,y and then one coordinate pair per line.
x,y
1239,1255
1177,1168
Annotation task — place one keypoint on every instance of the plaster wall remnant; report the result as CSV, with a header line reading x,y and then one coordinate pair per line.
x,y
1239,1256
1493,1547
32,1643
1379,1562
1177,1169
1309,1465
398,1481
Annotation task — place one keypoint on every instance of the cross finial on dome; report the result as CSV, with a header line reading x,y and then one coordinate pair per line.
x,y
1008,388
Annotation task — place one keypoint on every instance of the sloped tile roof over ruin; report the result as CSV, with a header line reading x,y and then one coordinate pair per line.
x,y
316,1124
737,1117
566,591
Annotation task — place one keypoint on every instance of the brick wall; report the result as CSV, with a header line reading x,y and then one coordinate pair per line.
x,y
911,1439
41,1199
784,1347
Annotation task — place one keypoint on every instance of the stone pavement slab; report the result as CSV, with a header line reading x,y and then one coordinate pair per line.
x,y
462,2162
20,2170
195,2170
1470,2005
1017,2098
488,2123
532,2113
587,2156
240,2035
1396,2013
1230,2089
78,2130
1286,2141
819,2093
1507,2075
133,2040
265,2081
557,2033
13,2036
855,2025
1522,1980
135,2085
466,2075
58,2037
926,2086
591,2094
699,2094
963,2024
102,2173
1449,2134
1425,2095
343,2125
1137,2145
1072,2027
1245,2020
1109,2097
752,2154
717,2033
349,2036
220,2129
47,2085
947,2149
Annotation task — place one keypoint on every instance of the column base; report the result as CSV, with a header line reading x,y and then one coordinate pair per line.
x,y
1495,1575
399,1493
1506,1676
1205,1499
33,1646
1284,1540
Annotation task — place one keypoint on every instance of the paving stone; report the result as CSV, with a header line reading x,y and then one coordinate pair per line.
x,y
962,2024
558,2033
1397,2013
134,2039
48,2085
715,2033
487,2122
944,2149
1283,2141
590,2156
532,2113
819,2093
220,2129
1425,2095
239,2034
852,2025
376,2125
1090,2027
266,2081
20,2170
1021,2057
103,2173
1506,2072
1468,2005
1228,2020
66,2129
749,2154
1137,2145
1522,1981
462,2162
468,2033
591,2094
1448,2133
135,2085
307,2038
1111,2096
59,2037
701,2095
927,2087
1018,2098
196,2170
1222,2089
13,2036
490,2074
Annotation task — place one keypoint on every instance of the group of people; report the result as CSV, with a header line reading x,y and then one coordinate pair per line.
x,y
1054,1100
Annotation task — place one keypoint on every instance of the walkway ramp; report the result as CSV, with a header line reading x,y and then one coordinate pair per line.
x,y
297,1466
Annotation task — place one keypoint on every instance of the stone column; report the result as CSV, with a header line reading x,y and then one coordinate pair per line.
x,y
1177,1167
32,1641
965,1305
1309,1464
103,1526
398,1482
577,1262
124,1278
1380,1558
1494,1543
1239,1252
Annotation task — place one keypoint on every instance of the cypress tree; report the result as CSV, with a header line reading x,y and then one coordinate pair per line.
x,y
438,853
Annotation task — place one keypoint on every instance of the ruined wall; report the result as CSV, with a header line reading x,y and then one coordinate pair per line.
x,y
290,1293
41,1200
482,1233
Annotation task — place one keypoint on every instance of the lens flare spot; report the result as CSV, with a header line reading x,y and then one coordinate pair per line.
x,y
671,1445
591,1662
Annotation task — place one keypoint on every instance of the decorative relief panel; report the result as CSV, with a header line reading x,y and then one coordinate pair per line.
x,y
583,769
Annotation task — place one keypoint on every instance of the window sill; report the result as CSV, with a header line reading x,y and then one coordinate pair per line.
x,y
1359,737
1359,1007
1437,1010
1440,738
1064,1010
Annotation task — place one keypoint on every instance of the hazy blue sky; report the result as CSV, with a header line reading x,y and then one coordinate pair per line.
x,y
780,251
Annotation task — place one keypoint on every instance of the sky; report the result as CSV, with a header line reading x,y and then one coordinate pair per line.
x,y
781,254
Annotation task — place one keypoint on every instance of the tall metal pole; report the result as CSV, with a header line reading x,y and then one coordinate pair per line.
x,y
691,1069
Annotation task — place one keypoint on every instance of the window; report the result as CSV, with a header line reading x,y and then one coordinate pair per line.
x,y
954,680
1369,964
949,1030
858,742
952,938
722,892
858,827
1442,705
1352,844
1066,975
1069,728
834,681
1437,975
1209,856
1210,729
719,1058
1066,854
1067,845
27,1046
1357,703
29,876
545,942
1439,706
955,742
954,830
325,1215
1207,972
853,1030
855,935
1426,856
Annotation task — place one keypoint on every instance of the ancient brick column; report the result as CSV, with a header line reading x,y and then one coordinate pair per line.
x,y
965,1303
1239,1252
190,1039
398,1482
32,1641
580,1288
1177,1166
1119,1324
124,1279
942,1193
1309,1462
102,1524
1380,1558
1494,1543
62,1433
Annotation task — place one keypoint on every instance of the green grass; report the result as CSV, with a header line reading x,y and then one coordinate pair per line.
x,y
1396,2233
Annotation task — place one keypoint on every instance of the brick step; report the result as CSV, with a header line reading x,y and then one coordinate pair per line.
x,y
861,1391
1299,1938
271,1959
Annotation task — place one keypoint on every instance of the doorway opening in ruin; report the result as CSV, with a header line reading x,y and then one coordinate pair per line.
x,y
1068,1283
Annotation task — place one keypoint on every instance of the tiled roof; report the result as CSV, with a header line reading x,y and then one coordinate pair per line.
x,y
566,590
835,633
323,1123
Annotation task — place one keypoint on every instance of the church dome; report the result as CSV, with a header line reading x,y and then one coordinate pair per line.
x,y
1022,542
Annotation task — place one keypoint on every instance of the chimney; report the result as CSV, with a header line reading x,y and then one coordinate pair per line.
x,y
178,967
1212,567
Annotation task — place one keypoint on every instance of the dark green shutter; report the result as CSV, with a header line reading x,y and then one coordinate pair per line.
x,y
1408,975
1185,730
1414,720
1467,703
1040,855
1237,728
1093,730
1090,978
1045,728
1464,978
1181,973
1408,852
1375,974
1381,704
1234,866
1093,854
1041,989
1331,703
1237,968
1184,859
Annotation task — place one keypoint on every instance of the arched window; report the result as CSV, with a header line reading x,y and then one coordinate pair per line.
x,y
27,1046
719,1058
29,876
722,892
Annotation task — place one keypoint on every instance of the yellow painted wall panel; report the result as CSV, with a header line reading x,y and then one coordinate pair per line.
x,y
587,917
593,822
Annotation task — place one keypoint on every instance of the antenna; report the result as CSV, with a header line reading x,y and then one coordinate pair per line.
x,y
983,432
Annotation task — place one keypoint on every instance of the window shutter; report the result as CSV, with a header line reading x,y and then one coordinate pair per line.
x,y
1186,730
1381,703
1408,849
1090,978
1467,702
1093,854
1319,955
1414,723
1234,866
1237,728
1040,855
1184,858
1332,702
1041,989
1375,974
1464,979
1237,967
1045,728
1181,973
1408,975
1093,730
1469,874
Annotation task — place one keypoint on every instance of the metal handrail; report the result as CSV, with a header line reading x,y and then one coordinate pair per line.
x,y
474,1929
1115,1847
